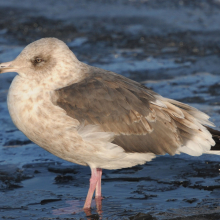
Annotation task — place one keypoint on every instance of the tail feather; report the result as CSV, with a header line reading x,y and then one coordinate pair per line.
x,y
216,137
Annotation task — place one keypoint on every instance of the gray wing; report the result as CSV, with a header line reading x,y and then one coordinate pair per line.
x,y
123,106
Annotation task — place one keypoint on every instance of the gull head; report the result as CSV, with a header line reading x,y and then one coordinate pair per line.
x,y
42,58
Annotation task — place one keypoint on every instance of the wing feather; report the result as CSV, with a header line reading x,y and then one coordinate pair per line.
x,y
141,120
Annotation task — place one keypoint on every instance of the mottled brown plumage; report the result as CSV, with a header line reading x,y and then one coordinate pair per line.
x,y
126,108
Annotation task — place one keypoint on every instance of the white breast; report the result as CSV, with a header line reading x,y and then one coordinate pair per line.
x,y
42,122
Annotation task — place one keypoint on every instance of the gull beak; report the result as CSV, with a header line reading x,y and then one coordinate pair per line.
x,y
7,67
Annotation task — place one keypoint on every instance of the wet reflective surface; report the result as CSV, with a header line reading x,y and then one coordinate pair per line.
x,y
171,47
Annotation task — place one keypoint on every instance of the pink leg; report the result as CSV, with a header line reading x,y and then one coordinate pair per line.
x,y
98,191
94,180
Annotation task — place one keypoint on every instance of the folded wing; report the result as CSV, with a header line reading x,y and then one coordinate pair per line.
x,y
141,120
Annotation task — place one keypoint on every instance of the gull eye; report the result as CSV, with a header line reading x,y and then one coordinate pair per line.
x,y
38,60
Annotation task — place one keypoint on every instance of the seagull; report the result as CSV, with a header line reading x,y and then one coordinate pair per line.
x,y
97,118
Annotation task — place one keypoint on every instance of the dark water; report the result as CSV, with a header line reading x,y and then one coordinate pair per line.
x,y
171,46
